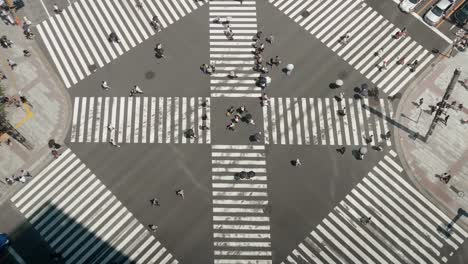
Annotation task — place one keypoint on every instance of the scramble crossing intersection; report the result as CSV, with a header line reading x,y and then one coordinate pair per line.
x,y
92,203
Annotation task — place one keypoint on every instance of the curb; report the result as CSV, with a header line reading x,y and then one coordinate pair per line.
x,y
412,89
40,157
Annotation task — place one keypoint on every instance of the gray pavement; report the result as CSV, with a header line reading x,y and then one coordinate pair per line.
x,y
281,206
445,150
48,118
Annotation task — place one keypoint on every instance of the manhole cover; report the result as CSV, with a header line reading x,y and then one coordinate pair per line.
x,y
150,75
305,13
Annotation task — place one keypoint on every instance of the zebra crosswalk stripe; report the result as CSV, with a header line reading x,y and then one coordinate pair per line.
x,y
318,118
369,32
129,123
75,46
65,196
404,226
241,224
233,55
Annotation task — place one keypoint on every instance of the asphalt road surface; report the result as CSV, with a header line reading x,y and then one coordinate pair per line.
x,y
92,204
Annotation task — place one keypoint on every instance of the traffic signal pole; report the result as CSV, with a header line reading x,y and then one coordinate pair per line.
x,y
443,103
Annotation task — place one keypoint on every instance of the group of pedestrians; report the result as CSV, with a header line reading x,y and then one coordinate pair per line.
x,y
399,60
238,115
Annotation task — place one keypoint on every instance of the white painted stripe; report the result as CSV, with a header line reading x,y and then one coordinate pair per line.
x,y
239,162
242,235
306,121
238,210
266,134
249,194
84,33
136,129
218,218
240,227
238,186
103,36
82,119
313,122
238,147
97,127
273,121
160,119
128,133
330,121
89,131
121,119
152,119
176,120
241,244
63,58
144,127
75,119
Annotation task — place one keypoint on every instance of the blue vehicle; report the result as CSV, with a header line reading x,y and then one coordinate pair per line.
x,y
4,242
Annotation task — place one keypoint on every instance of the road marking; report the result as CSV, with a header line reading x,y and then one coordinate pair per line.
x,y
15,255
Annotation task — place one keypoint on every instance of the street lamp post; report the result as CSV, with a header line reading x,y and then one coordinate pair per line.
x,y
448,92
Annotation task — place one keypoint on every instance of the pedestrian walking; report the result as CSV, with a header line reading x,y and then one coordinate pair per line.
x,y
445,177
446,119
105,86
204,127
296,162
369,139
136,90
155,202
229,111
153,228
379,53
401,61
365,220
57,10
180,193
26,53
12,64
342,112
231,126
345,38
270,39
379,147
421,101
388,135
341,150
241,109
112,142
413,65
3,76
460,107
384,65
432,108
110,127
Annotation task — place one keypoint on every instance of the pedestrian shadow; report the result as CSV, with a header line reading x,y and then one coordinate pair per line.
x,y
447,230
411,133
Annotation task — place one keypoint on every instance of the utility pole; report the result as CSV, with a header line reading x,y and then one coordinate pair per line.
x,y
442,103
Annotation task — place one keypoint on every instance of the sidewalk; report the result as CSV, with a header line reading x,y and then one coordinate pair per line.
x,y
48,118
447,149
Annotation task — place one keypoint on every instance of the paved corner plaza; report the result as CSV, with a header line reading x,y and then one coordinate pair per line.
x,y
234,131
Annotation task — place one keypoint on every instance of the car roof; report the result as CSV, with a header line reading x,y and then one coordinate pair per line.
x,y
442,4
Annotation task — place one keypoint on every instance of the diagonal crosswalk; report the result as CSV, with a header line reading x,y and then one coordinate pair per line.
x,y
317,121
369,32
77,38
236,54
241,224
140,119
82,220
405,227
